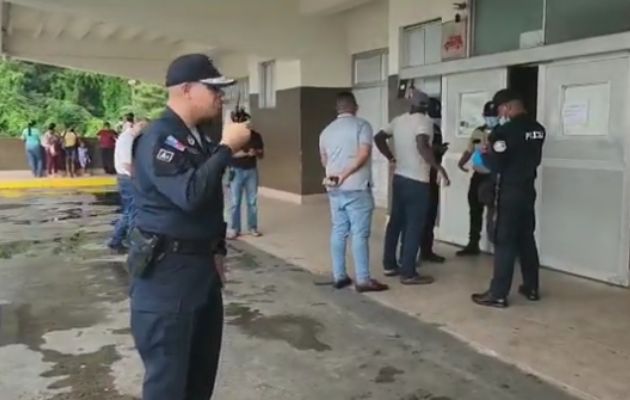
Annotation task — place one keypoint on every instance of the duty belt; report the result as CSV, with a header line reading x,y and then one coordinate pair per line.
x,y
186,246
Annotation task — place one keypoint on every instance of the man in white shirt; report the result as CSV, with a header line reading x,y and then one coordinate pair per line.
x,y
123,154
412,135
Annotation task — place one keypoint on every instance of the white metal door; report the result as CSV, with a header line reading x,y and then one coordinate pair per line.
x,y
372,107
583,207
463,97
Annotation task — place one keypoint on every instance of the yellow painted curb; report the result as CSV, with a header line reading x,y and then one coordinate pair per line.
x,y
58,183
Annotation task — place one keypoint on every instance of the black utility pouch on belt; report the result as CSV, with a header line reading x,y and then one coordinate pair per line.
x,y
143,251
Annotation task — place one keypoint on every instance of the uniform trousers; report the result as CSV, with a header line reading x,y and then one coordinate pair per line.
x,y
177,325
515,225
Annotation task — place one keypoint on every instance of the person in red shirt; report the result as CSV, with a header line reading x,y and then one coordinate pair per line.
x,y
107,143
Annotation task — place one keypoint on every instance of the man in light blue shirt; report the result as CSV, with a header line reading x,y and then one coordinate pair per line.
x,y
32,141
345,147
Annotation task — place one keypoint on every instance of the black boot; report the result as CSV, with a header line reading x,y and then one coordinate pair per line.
x,y
487,299
471,249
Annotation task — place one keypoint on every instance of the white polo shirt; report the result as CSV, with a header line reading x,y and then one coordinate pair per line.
x,y
404,129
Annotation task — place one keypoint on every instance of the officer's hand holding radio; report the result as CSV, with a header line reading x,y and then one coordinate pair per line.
x,y
235,135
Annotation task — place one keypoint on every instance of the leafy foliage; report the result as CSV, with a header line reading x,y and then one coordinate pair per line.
x,y
69,98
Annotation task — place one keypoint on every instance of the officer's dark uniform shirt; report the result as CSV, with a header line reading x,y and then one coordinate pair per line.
x,y
516,151
178,183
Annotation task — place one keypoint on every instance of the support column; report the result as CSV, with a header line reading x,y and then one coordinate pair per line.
x,y
305,104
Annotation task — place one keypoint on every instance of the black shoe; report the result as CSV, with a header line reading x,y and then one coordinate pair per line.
x,y
391,272
343,283
417,280
531,295
118,250
488,300
434,258
469,250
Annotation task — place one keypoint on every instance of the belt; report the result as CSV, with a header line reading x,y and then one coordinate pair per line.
x,y
181,246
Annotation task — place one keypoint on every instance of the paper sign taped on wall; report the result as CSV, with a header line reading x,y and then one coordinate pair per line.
x,y
575,115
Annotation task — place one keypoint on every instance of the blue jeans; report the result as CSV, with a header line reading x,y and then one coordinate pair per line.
x,y
36,161
245,180
351,213
126,220
410,200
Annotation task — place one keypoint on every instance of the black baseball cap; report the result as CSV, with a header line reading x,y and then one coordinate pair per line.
x,y
489,110
505,96
191,68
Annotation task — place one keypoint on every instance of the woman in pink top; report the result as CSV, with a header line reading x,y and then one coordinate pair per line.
x,y
53,150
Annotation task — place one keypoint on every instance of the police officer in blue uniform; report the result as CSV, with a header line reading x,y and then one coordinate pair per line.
x,y
514,153
177,248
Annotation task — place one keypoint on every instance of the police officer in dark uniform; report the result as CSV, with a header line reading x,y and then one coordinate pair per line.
x,y
177,247
514,153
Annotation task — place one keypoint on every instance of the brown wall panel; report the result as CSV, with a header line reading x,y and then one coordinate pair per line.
x,y
318,110
13,154
280,129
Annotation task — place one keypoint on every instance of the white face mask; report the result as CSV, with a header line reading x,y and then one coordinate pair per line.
x,y
491,122
504,120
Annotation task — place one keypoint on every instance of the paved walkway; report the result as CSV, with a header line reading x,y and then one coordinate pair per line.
x,y
64,326
577,337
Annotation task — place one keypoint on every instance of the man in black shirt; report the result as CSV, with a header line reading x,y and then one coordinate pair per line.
x,y
514,153
245,179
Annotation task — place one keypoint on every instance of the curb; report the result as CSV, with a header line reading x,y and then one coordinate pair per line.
x,y
58,183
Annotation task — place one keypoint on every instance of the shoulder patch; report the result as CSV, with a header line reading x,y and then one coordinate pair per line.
x,y
499,146
165,155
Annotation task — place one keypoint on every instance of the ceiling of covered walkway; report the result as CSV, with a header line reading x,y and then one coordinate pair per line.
x,y
137,38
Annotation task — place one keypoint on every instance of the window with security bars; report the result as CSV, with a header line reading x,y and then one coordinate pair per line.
x,y
267,81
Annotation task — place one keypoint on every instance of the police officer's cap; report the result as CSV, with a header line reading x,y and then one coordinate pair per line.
x,y
191,68
489,110
505,96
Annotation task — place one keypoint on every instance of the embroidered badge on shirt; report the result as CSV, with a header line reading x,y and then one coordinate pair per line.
x,y
499,146
171,141
191,140
165,155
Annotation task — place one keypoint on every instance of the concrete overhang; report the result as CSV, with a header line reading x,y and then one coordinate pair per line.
x,y
327,7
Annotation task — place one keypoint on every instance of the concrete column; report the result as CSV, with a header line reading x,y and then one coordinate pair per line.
x,y
305,104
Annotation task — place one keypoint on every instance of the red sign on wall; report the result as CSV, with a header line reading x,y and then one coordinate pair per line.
x,y
454,40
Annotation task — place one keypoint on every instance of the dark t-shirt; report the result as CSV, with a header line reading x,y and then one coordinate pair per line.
x,y
249,162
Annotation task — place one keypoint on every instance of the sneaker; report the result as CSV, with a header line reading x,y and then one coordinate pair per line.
x,y
487,299
371,286
255,233
531,295
469,250
231,235
391,272
417,280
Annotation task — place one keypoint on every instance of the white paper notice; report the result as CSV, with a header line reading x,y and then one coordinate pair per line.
x,y
575,115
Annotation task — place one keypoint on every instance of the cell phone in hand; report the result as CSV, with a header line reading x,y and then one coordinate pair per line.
x,y
331,181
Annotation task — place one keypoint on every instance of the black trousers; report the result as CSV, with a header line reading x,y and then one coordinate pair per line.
x,y
515,225
426,246
476,208
107,155
177,326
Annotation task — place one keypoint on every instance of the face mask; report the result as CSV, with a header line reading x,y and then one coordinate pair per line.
x,y
504,120
491,122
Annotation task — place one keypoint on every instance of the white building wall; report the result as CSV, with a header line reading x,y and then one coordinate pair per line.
x,y
367,27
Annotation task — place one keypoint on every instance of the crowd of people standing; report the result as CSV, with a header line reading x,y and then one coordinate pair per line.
x,y
67,152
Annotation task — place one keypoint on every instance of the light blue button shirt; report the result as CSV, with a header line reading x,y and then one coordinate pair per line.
x,y
340,141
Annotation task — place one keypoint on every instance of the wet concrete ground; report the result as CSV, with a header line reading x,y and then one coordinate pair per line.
x,y
64,325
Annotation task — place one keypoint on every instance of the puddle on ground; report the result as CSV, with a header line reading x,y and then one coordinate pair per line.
x,y
10,249
298,331
87,375
105,198
387,375
9,206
